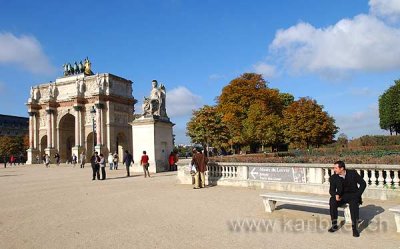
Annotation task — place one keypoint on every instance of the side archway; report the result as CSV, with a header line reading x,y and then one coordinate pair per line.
x,y
89,145
121,145
43,145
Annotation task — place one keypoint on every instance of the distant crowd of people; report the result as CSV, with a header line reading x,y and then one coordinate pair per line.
x,y
13,160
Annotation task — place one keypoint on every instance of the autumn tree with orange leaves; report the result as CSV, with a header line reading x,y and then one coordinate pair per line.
x,y
306,124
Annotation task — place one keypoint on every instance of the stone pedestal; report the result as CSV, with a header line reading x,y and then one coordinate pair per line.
x,y
153,135
31,156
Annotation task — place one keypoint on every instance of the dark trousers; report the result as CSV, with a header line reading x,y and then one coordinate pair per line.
x,y
127,171
103,173
353,200
96,172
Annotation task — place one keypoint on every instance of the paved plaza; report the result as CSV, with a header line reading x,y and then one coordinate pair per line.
x,y
61,207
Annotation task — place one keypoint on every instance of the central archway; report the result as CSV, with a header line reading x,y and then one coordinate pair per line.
x,y
67,137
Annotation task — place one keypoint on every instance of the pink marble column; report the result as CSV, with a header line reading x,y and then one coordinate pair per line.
x,y
49,129
35,131
98,126
77,125
31,129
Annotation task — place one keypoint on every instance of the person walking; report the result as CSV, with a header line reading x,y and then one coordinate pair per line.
x,y
94,161
83,159
144,161
171,161
5,161
74,160
103,167
115,161
346,186
57,157
128,160
110,161
12,160
47,160
200,161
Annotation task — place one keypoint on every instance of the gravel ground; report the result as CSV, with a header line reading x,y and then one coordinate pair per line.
x,y
61,207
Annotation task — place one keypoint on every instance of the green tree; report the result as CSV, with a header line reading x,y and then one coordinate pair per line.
x,y
342,140
286,98
389,109
13,145
262,126
207,128
306,124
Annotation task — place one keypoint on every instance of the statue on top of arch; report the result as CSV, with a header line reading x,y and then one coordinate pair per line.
x,y
155,103
78,68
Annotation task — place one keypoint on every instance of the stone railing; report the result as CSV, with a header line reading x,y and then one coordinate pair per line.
x,y
383,181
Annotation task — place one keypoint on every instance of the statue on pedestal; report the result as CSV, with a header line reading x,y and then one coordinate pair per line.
x,y
52,91
34,95
80,87
87,67
78,68
155,103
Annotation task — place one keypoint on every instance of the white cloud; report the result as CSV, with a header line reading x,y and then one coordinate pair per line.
x,y
265,69
365,122
216,77
181,102
385,8
361,43
24,51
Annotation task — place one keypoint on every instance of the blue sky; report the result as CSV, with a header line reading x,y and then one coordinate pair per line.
x,y
342,53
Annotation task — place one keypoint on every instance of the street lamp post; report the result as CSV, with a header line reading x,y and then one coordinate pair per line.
x,y
93,114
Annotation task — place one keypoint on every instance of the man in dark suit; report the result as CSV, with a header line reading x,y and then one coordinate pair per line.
x,y
344,189
128,160
95,160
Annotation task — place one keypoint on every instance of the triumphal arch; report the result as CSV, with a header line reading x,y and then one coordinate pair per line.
x,y
80,112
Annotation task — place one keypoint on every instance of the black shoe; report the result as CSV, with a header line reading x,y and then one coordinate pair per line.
x,y
333,229
356,233
93,179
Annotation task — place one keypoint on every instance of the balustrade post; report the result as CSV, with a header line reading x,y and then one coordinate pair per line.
x,y
326,176
373,178
388,179
396,178
366,178
381,180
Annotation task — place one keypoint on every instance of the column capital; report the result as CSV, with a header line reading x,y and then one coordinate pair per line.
x,y
77,107
49,111
32,113
99,105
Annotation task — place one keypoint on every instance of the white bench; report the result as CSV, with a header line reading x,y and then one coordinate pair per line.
x,y
270,200
396,211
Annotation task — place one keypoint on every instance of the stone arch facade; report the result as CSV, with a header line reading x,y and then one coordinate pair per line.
x,y
66,114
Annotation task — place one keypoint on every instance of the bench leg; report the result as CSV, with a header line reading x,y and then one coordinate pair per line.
x,y
397,220
347,215
269,205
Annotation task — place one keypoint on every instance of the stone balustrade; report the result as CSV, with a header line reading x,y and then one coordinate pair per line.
x,y
383,181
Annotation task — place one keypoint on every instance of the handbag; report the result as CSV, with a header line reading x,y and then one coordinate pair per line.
x,y
193,168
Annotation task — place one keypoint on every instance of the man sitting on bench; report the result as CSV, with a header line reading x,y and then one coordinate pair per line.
x,y
343,189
